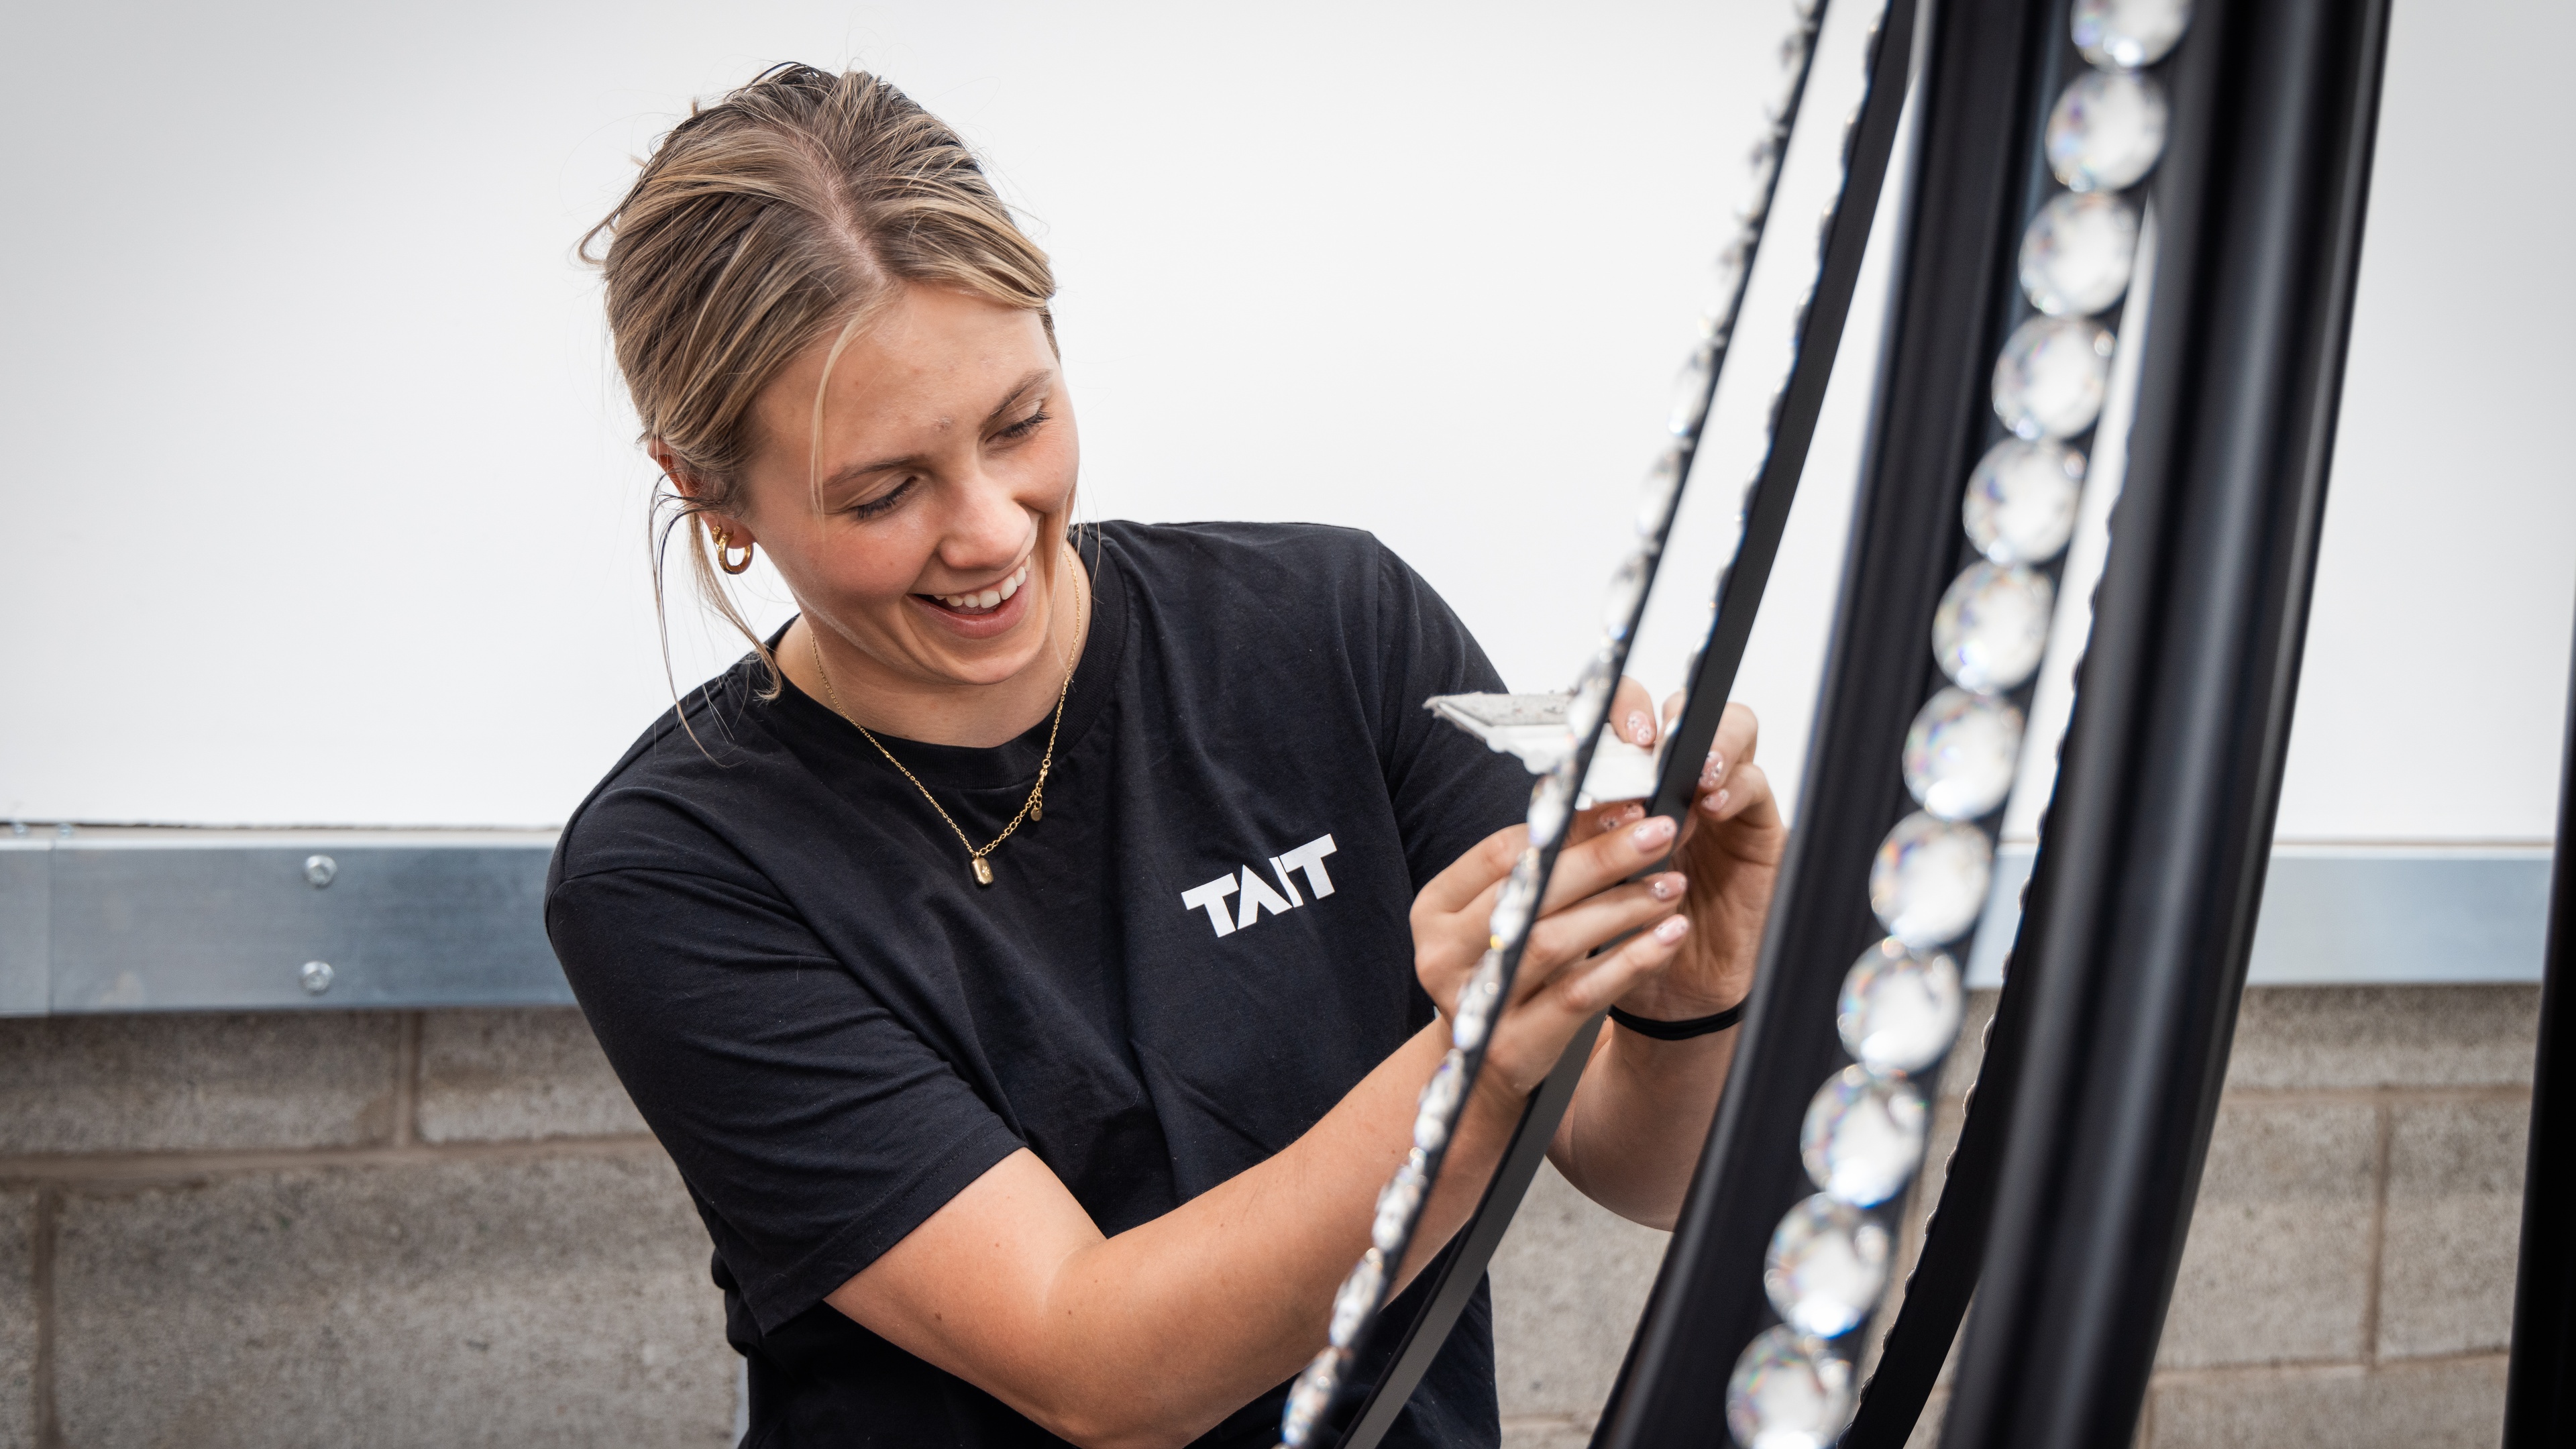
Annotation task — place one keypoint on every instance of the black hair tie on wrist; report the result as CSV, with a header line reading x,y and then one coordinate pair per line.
x,y
1679,1030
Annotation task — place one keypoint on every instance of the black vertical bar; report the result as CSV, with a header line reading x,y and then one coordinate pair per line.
x,y
1407,1351
2163,810
2540,1388
1966,202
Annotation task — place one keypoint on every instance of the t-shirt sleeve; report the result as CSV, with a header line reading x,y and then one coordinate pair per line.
x,y
814,1128
1450,790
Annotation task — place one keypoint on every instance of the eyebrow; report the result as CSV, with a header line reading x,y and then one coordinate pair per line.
x,y
1019,393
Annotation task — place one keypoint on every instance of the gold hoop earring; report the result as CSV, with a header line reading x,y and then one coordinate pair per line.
x,y
723,539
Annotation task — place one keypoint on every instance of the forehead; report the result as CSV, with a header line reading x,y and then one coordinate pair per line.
x,y
931,359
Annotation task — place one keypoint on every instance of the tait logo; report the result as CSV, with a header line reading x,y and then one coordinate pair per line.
x,y
1255,889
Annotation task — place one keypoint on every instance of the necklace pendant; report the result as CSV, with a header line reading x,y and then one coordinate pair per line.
x,y
983,872
1037,809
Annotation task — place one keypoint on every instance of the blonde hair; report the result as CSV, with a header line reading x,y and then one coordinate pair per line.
x,y
783,214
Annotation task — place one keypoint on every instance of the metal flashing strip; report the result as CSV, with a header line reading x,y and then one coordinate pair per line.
x,y
201,920
189,920
2342,915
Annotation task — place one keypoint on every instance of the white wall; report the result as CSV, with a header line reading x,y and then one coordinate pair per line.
x,y
327,511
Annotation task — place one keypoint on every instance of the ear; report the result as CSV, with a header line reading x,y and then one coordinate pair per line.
x,y
687,482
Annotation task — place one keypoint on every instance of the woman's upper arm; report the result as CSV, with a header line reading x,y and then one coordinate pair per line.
x,y
816,1128
972,1288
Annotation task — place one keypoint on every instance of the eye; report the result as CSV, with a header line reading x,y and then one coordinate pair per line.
x,y
884,502
1024,426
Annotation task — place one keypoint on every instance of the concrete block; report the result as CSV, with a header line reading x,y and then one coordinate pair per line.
x,y
2452,1233
79,1084
2458,1404
1554,1431
2316,1037
2278,1265
17,1320
1570,1279
492,1076
430,1303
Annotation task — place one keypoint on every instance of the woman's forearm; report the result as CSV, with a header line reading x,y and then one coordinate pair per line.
x,y
1632,1136
1153,1336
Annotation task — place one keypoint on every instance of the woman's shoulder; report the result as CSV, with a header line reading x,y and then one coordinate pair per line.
x,y
1272,570
653,810
1223,549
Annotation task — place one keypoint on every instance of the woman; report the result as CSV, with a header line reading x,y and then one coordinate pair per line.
x,y
1030,955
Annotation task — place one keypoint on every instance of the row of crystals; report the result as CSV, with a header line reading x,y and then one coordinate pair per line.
x,y
1399,1204
1864,1132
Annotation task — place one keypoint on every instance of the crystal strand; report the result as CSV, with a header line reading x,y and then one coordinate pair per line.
x,y
1399,1205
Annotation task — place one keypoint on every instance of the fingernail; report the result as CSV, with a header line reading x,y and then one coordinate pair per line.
x,y
1652,834
1639,731
1671,930
1716,766
1715,804
1610,820
1665,887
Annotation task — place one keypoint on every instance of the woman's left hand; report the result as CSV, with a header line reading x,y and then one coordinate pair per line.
x,y
1730,848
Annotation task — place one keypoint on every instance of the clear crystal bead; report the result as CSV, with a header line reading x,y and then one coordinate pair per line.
x,y
2107,130
1397,1203
1765,160
1550,803
1928,882
1655,499
1309,1398
1448,1083
1787,1392
2052,376
1358,1298
1627,591
2076,256
1476,1002
2129,33
1900,1008
2022,498
1863,1136
1591,697
1690,391
1992,626
1826,1266
1518,899
1960,753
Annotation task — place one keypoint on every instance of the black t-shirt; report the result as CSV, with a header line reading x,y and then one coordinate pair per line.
x,y
1195,954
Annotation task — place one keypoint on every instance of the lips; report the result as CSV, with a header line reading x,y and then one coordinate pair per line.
x,y
982,601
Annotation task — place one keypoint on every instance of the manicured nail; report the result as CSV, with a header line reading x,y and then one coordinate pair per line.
x,y
1665,887
1652,835
1715,768
1639,729
1671,930
1715,804
1612,819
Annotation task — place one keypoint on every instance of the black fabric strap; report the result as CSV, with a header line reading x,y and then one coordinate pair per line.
x,y
1679,1030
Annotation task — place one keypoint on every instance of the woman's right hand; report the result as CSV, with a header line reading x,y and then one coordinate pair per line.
x,y
1589,903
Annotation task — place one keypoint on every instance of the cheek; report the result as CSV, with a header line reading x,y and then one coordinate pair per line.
x,y
1043,481
872,567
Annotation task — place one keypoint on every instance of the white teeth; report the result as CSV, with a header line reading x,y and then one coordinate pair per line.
x,y
987,598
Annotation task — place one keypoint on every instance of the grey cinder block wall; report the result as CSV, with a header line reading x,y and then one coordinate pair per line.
x,y
448,1228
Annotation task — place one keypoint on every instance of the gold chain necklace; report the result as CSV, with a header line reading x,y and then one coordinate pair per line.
x,y
1033,808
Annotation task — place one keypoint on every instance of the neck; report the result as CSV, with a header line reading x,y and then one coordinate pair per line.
x,y
978,716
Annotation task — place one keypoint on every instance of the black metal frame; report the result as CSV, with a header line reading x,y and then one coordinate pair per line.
x,y
2157,838
2540,1387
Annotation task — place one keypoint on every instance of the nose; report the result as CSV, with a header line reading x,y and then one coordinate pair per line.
x,y
987,528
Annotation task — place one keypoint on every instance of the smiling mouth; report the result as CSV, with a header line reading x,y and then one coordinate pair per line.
x,y
982,601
